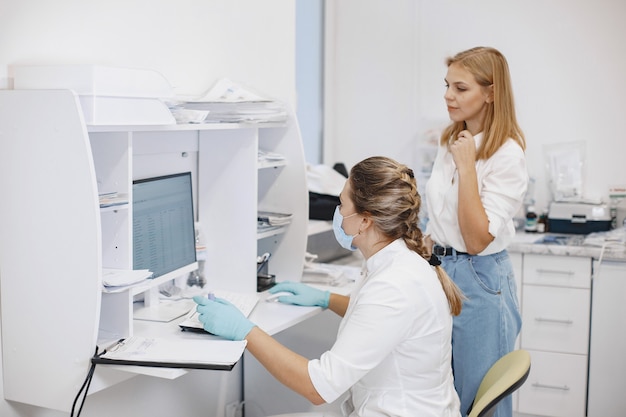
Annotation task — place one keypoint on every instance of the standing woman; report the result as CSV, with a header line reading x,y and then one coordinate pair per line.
x,y
477,185
393,350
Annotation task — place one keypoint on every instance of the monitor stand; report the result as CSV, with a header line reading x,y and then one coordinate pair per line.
x,y
154,308
164,311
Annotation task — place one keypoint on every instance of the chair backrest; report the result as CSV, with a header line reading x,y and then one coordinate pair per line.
x,y
503,378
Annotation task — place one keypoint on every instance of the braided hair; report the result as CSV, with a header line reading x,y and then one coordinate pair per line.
x,y
386,191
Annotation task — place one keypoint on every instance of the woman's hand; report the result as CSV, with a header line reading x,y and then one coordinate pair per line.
x,y
303,295
463,151
473,221
221,318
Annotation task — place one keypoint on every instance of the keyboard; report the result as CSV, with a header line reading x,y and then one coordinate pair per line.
x,y
244,301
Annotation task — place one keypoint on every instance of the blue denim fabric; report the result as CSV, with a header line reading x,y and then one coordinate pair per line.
x,y
488,324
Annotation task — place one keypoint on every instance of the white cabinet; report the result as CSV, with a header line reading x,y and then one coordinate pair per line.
x,y
555,315
56,239
607,360
50,248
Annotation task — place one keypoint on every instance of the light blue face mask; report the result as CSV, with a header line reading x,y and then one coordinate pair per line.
x,y
343,239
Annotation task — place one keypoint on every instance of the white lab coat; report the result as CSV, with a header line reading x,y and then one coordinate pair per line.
x,y
393,348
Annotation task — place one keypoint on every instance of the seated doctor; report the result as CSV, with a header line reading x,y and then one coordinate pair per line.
x,y
393,347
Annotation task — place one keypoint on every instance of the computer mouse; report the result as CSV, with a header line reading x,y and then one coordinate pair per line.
x,y
273,298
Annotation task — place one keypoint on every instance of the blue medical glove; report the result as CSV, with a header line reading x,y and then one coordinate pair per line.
x,y
303,295
221,318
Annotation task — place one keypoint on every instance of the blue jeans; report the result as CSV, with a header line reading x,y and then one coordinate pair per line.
x,y
488,324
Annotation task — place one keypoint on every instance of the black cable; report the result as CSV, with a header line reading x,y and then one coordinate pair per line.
x,y
84,387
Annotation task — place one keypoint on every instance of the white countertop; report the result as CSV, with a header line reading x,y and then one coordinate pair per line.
x,y
566,245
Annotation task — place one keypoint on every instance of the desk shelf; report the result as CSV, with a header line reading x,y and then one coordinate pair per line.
x,y
59,243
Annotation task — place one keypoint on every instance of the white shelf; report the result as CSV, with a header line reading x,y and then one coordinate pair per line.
x,y
271,164
181,127
71,238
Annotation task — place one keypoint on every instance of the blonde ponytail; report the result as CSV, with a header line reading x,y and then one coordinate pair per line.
x,y
453,293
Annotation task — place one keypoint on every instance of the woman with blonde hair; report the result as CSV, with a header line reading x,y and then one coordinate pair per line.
x,y
477,185
393,348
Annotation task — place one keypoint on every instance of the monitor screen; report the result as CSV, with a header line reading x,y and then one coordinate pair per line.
x,y
163,223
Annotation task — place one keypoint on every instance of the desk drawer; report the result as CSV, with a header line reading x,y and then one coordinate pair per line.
x,y
556,386
562,271
556,319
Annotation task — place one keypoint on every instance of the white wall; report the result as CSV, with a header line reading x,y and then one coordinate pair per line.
x,y
193,43
567,59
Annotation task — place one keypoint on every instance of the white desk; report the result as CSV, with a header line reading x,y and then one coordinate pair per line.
x,y
274,317
271,317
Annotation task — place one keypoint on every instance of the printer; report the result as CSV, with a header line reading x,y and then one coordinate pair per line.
x,y
578,218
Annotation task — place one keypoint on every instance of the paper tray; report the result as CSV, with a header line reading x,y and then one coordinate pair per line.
x,y
125,111
94,80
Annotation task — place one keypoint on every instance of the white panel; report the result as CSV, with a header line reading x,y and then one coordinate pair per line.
x,y
284,189
310,338
568,271
556,319
556,386
50,247
607,365
227,190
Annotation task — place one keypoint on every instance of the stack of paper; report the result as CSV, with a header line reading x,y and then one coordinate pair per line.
x,y
267,156
273,219
227,102
249,112
112,199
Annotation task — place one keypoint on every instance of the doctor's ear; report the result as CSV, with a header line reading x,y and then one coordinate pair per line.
x,y
366,222
489,91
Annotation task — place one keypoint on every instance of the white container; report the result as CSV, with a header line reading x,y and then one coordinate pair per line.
x,y
94,80
108,95
125,111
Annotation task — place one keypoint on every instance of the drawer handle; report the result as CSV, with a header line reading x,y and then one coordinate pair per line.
x,y
562,388
541,319
555,271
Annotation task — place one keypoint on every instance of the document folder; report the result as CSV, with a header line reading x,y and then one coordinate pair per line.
x,y
173,353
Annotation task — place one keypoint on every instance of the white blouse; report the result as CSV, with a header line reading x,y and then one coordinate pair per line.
x,y
502,183
393,348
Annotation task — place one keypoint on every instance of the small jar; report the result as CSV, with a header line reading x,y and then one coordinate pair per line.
x,y
531,220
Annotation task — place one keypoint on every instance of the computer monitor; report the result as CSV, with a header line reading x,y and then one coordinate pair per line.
x,y
163,225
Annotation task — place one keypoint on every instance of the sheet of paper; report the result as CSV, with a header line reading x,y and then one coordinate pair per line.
x,y
200,351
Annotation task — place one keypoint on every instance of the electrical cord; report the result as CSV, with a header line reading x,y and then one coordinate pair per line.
x,y
84,387
596,272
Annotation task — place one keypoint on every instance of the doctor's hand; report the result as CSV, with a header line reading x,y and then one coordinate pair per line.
x,y
303,295
221,318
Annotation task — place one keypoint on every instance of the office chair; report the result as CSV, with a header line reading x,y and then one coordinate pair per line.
x,y
503,378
